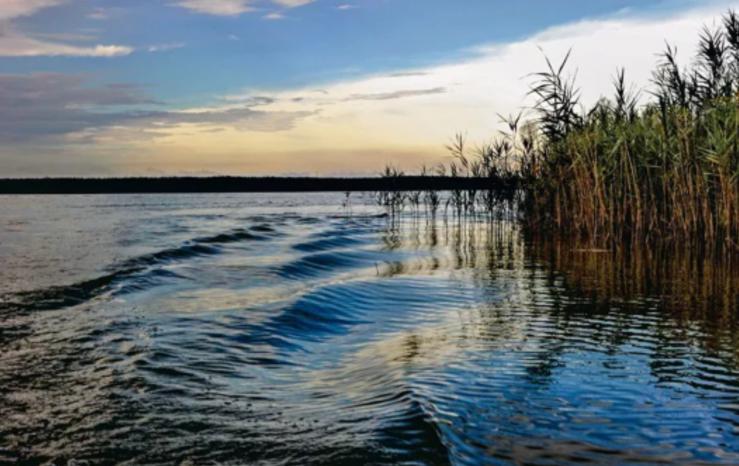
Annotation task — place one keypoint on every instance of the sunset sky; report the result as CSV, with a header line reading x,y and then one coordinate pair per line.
x,y
153,87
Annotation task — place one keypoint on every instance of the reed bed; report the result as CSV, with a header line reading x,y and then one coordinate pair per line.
x,y
661,164
624,172
499,163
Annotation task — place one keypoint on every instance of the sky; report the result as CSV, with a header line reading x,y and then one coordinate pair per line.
x,y
299,87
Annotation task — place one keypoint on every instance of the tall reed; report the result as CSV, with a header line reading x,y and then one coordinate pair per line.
x,y
620,172
667,169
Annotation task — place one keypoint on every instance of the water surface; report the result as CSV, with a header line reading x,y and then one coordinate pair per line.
x,y
287,329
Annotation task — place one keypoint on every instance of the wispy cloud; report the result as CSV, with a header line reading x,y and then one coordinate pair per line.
x,y
292,3
15,43
99,14
399,94
10,9
218,7
405,74
274,16
401,116
415,110
234,7
65,36
43,106
165,47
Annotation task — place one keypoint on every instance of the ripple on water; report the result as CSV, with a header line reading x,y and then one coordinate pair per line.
x,y
318,339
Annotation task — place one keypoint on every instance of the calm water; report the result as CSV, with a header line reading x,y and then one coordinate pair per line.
x,y
286,329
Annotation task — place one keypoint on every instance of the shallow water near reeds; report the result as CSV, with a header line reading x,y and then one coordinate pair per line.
x,y
287,329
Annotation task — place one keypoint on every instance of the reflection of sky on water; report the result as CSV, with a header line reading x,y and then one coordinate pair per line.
x,y
218,329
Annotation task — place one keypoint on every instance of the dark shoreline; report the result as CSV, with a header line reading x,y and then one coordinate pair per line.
x,y
246,185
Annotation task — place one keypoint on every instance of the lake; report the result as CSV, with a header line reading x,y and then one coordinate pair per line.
x,y
302,329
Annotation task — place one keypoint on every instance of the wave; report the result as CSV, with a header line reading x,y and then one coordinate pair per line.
x,y
336,309
328,262
231,237
339,238
135,274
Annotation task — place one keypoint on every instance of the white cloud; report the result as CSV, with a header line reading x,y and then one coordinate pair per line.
x,y
14,43
10,9
165,47
218,7
41,107
234,7
402,116
417,109
292,3
274,16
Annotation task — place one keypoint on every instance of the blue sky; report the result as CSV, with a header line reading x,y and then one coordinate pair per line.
x,y
317,42
131,64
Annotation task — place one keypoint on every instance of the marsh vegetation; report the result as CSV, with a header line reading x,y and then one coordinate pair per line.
x,y
660,163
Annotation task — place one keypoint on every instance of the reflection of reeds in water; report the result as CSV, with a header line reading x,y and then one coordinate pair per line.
x,y
553,341
669,314
691,285
454,243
